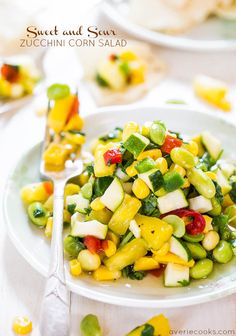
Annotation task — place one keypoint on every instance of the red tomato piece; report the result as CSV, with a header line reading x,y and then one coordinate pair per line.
x,y
158,272
10,72
93,244
112,156
170,143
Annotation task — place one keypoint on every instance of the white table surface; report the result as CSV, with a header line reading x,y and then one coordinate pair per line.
x,y
21,287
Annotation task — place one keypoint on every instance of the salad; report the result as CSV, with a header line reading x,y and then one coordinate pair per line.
x,y
150,202
17,80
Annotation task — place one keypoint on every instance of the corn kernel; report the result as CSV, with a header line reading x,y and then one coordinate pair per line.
x,y
131,171
227,201
192,147
71,189
130,128
104,274
110,249
162,165
48,228
211,175
97,204
113,237
160,192
83,178
22,325
145,264
140,189
152,153
178,169
163,250
186,183
75,267
208,226
198,140
128,56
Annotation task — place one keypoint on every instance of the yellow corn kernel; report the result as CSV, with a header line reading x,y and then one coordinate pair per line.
x,y
163,250
48,228
146,128
160,192
75,267
227,201
208,226
49,203
178,169
162,165
192,147
131,171
66,216
110,249
130,128
145,264
152,153
104,274
22,325
83,178
128,56
198,140
211,175
97,204
71,189
186,183
140,189
113,237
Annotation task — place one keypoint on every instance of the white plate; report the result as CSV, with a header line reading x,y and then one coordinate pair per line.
x,y
211,35
150,292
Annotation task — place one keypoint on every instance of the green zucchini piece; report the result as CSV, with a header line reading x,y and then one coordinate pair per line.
x,y
172,181
145,165
136,143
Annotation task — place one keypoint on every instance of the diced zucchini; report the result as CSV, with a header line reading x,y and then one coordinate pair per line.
x,y
179,248
227,169
136,143
153,178
172,201
101,184
121,175
91,228
110,72
223,182
145,165
113,196
81,203
172,181
176,275
200,204
212,144
121,218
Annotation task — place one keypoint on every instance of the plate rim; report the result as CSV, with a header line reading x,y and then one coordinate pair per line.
x,y
158,38
93,293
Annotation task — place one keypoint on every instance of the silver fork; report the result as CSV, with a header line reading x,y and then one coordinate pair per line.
x,y
55,310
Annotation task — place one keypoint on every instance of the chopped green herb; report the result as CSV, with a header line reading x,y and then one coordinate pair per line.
x,y
149,206
148,330
38,213
71,208
90,169
232,193
74,131
128,272
184,283
101,81
219,196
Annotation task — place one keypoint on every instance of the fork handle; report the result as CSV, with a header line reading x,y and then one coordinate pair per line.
x,y
55,311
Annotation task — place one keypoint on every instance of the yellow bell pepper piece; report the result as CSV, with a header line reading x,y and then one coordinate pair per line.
x,y
160,324
104,274
97,204
145,264
211,175
128,56
110,249
22,325
100,167
227,201
56,154
34,192
163,250
58,115
155,231
213,91
77,139
208,226
74,123
174,259
121,218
